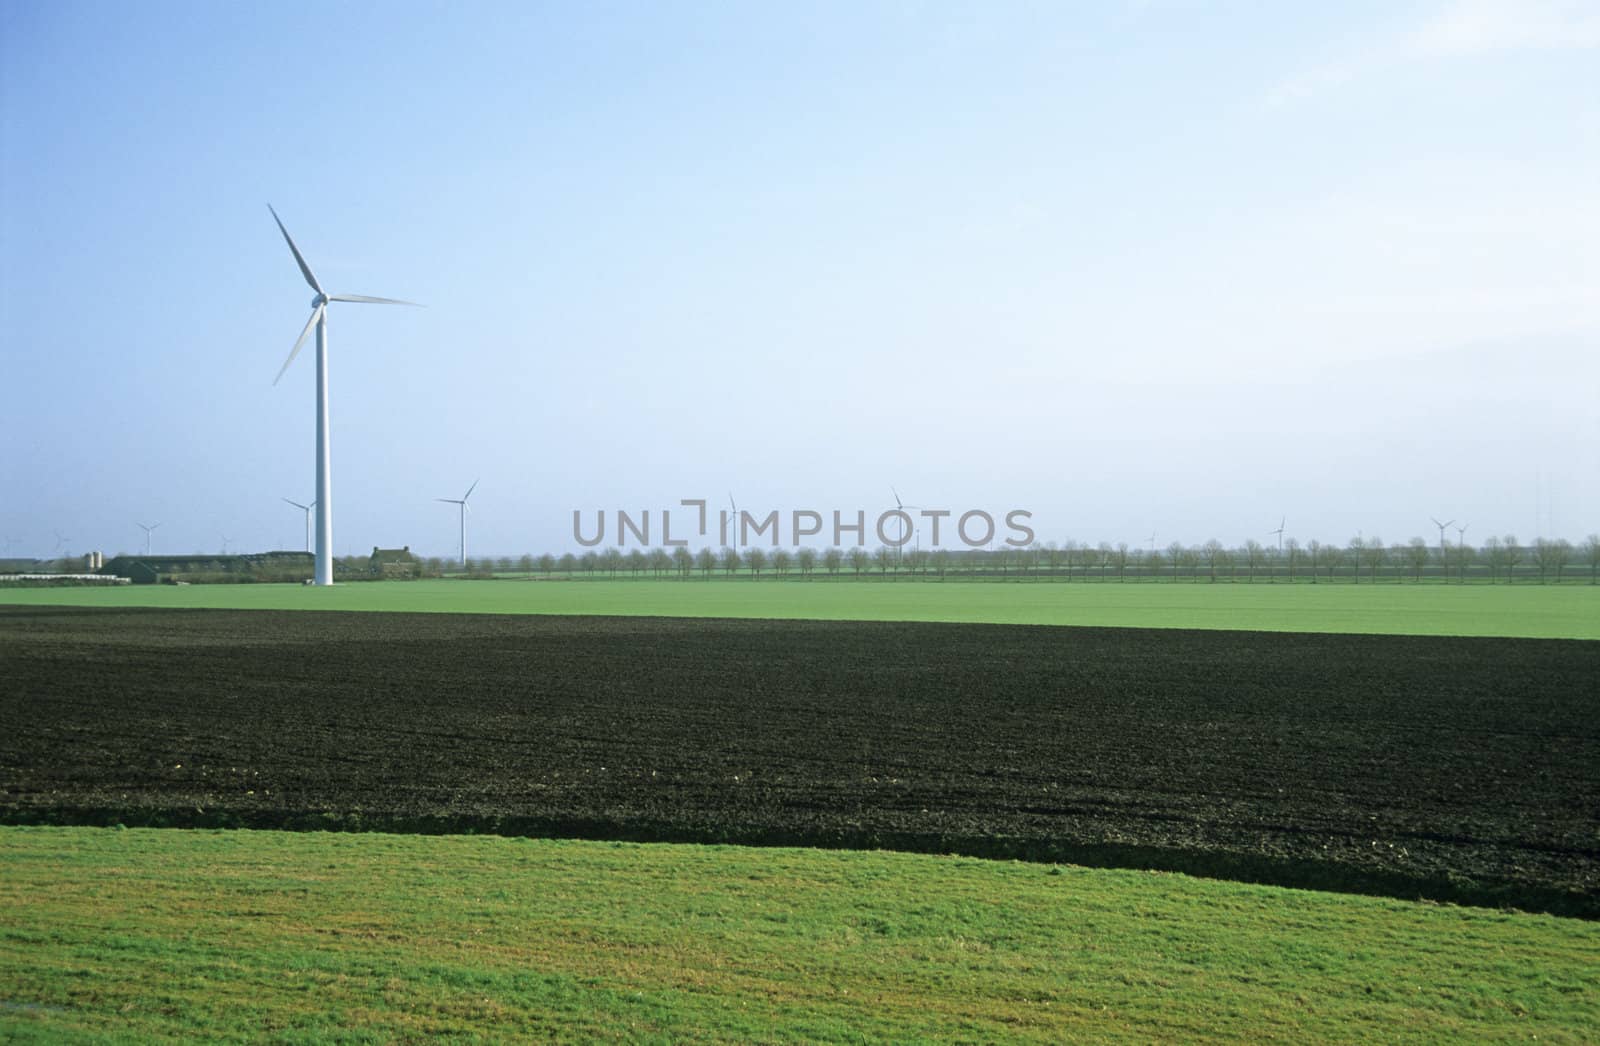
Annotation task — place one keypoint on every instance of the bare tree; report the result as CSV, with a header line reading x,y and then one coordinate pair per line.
x,y
637,561
781,561
858,559
1252,557
1088,555
1332,557
884,557
568,563
1416,553
941,561
589,562
1510,555
1176,554
807,558
1373,554
1551,555
1121,558
660,562
706,561
1152,564
755,559
1292,547
730,561
832,559
682,561
1591,552
547,564
1495,554
1212,550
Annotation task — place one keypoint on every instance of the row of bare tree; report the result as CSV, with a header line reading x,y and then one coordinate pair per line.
x,y
1547,560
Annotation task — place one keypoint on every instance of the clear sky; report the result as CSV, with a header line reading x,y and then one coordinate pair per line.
x,y
1178,268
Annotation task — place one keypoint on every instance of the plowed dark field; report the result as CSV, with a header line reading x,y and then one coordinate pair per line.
x,y
1464,769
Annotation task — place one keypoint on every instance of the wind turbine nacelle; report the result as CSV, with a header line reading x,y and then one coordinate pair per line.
x,y
318,302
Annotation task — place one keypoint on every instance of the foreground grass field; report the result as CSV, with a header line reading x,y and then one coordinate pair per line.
x,y
139,935
1530,611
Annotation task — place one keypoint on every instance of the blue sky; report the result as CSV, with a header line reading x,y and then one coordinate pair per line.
x,y
1135,267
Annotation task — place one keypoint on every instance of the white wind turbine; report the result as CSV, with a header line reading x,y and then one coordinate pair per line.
x,y
307,510
1279,532
733,517
147,530
1443,562
901,507
319,319
461,503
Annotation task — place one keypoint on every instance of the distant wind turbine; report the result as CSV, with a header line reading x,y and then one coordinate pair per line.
x,y
61,540
147,531
901,507
307,510
1279,532
224,544
1442,561
319,319
733,517
461,503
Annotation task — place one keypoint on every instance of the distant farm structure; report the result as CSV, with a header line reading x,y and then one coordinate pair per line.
x,y
394,563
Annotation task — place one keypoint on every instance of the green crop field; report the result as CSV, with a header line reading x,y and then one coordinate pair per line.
x,y
1530,611
138,935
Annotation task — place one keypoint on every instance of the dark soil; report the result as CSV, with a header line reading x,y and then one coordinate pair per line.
x,y
1460,769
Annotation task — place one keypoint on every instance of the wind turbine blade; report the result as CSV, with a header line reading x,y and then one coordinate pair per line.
x,y
448,501
896,494
305,270
316,313
362,298
470,489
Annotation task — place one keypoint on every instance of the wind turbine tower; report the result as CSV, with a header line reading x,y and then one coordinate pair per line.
x,y
1279,532
461,503
147,530
319,319
1443,562
901,508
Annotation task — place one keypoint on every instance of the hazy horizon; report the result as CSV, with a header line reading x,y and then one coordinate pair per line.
x,y
1133,267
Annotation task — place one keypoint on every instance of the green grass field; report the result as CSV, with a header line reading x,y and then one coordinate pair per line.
x,y
1533,611
146,934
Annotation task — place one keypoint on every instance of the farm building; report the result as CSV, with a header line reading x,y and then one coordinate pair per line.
x,y
394,562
